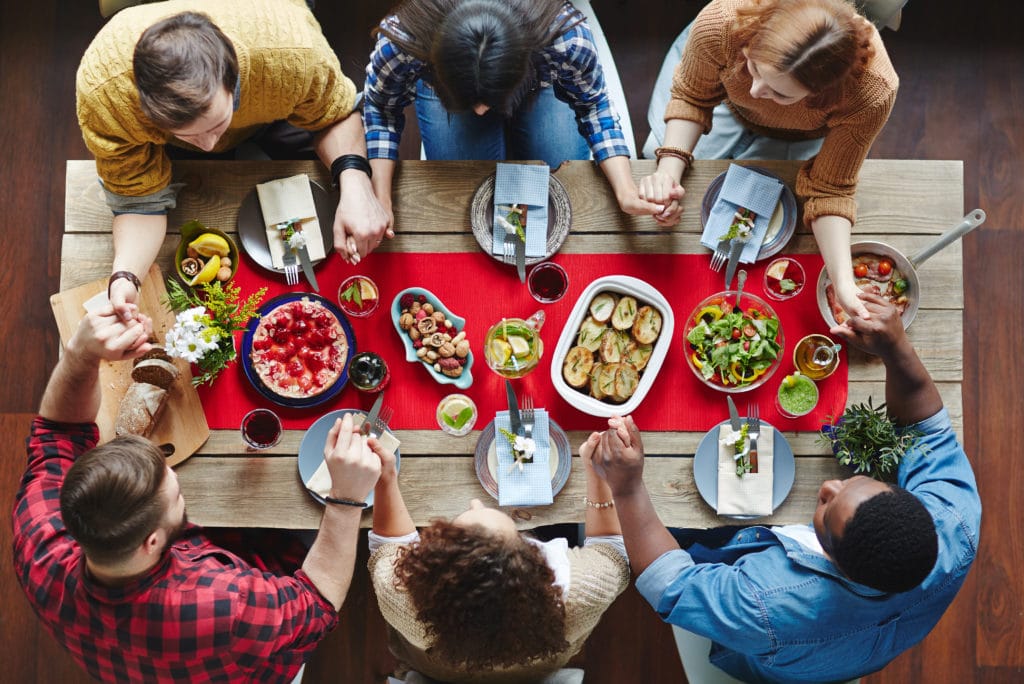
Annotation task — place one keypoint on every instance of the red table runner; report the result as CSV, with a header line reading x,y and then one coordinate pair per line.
x,y
479,289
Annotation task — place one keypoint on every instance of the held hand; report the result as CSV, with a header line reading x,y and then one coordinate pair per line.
x,y
353,466
621,456
634,205
879,334
102,334
124,297
388,462
847,294
587,450
661,188
361,222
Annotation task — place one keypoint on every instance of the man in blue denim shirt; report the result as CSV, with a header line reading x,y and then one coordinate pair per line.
x,y
842,597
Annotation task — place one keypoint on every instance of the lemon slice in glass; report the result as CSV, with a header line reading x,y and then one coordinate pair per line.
x,y
520,347
500,351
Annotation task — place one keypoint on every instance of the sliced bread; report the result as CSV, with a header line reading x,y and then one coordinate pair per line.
x,y
155,372
140,409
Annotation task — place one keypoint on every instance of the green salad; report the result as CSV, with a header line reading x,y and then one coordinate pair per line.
x,y
732,349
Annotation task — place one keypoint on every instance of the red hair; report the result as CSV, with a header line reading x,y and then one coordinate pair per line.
x,y
823,44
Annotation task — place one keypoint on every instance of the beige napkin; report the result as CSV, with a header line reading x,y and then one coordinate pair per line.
x,y
320,483
752,493
285,199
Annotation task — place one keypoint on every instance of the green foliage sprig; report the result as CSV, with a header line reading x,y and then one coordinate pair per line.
x,y
866,439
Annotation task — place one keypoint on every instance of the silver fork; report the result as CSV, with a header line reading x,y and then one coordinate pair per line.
x,y
753,432
720,256
509,249
291,267
380,423
526,413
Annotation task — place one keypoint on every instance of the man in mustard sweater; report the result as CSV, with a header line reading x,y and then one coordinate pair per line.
x,y
206,77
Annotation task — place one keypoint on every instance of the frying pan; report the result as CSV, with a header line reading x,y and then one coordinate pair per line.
x,y
907,266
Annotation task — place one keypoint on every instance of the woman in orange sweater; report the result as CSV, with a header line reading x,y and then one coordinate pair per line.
x,y
781,79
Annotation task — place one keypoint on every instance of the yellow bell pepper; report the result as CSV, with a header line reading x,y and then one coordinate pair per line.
x,y
714,311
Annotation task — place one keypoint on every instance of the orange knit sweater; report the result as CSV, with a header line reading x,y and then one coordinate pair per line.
x,y
827,182
287,70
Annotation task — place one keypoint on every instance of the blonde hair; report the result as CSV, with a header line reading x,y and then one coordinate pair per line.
x,y
823,44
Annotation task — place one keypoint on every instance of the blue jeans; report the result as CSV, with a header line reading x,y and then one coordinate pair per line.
x,y
543,128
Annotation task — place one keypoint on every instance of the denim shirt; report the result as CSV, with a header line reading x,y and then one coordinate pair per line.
x,y
779,613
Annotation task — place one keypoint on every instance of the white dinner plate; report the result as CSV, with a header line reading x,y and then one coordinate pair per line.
x,y
705,469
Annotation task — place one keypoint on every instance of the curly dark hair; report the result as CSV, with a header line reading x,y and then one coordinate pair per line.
x,y
487,601
889,544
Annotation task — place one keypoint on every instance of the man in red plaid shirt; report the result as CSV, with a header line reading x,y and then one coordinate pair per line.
x,y
110,564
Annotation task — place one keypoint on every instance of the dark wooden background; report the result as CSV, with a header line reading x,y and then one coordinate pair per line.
x,y
961,68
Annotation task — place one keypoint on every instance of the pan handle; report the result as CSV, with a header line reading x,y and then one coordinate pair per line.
x,y
969,223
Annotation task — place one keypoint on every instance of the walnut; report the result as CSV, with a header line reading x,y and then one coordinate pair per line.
x,y
462,348
428,307
438,317
447,349
450,367
414,334
191,266
435,340
406,321
427,326
414,308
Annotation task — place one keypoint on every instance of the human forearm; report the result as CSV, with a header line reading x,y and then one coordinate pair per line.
x,y
344,137
137,241
600,521
682,134
390,515
73,393
645,536
331,559
383,175
910,393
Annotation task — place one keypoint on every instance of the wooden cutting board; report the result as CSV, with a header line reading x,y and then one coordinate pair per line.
x,y
183,423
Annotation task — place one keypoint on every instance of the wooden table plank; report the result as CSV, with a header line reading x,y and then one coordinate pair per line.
x,y
282,501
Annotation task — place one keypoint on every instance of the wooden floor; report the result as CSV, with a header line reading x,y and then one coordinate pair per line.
x,y
961,67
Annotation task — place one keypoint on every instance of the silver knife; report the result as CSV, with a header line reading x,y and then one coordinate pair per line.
x,y
734,258
307,267
734,415
372,415
521,259
514,420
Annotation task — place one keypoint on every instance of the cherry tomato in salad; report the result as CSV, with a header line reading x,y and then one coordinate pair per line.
x,y
746,345
736,333
885,267
749,331
861,270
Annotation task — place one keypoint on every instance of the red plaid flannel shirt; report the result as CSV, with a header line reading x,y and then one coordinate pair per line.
x,y
202,614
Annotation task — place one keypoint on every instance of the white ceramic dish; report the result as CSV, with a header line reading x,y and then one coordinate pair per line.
x,y
624,285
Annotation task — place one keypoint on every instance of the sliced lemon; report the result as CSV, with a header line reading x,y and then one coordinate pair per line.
x,y
208,272
211,244
520,347
501,352
455,406
778,270
367,290
791,380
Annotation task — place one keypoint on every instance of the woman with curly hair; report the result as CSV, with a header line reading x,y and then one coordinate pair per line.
x,y
493,79
473,600
781,79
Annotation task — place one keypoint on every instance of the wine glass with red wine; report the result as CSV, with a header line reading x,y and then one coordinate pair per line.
x,y
261,428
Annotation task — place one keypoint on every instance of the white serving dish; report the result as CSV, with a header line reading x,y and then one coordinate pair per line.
x,y
623,285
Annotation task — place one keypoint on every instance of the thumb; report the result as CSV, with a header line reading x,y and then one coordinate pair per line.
x,y
677,192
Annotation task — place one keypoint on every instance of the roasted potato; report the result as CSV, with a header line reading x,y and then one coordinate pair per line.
x,y
647,325
624,314
577,366
591,332
637,355
602,307
613,345
626,380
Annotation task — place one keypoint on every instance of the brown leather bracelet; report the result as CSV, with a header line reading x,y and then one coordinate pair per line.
x,y
677,152
123,275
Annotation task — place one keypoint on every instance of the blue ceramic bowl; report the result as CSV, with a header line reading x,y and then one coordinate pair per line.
x,y
464,380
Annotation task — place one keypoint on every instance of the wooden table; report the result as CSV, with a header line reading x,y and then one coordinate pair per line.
x,y
904,203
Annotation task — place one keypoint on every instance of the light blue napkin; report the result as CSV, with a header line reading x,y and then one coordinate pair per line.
x,y
523,184
530,486
743,188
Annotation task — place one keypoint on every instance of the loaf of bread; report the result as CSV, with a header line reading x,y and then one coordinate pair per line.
x,y
142,404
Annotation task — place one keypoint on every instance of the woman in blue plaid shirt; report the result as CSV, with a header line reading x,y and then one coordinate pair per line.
x,y
494,79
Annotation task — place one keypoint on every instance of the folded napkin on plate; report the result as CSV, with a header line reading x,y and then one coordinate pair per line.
x,y
320,483
752,493
523,184
530,486
751,190
286,199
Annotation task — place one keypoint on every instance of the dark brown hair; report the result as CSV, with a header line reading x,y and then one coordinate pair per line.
x,y
487,601
180,63
823,44
479,51
110,501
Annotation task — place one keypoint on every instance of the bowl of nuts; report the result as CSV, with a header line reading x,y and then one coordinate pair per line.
x,y
433,336
205,255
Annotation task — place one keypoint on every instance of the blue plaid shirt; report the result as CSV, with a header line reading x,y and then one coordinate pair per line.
x,y
570,65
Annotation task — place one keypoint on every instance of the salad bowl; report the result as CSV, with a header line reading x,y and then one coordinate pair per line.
x,y
733,351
